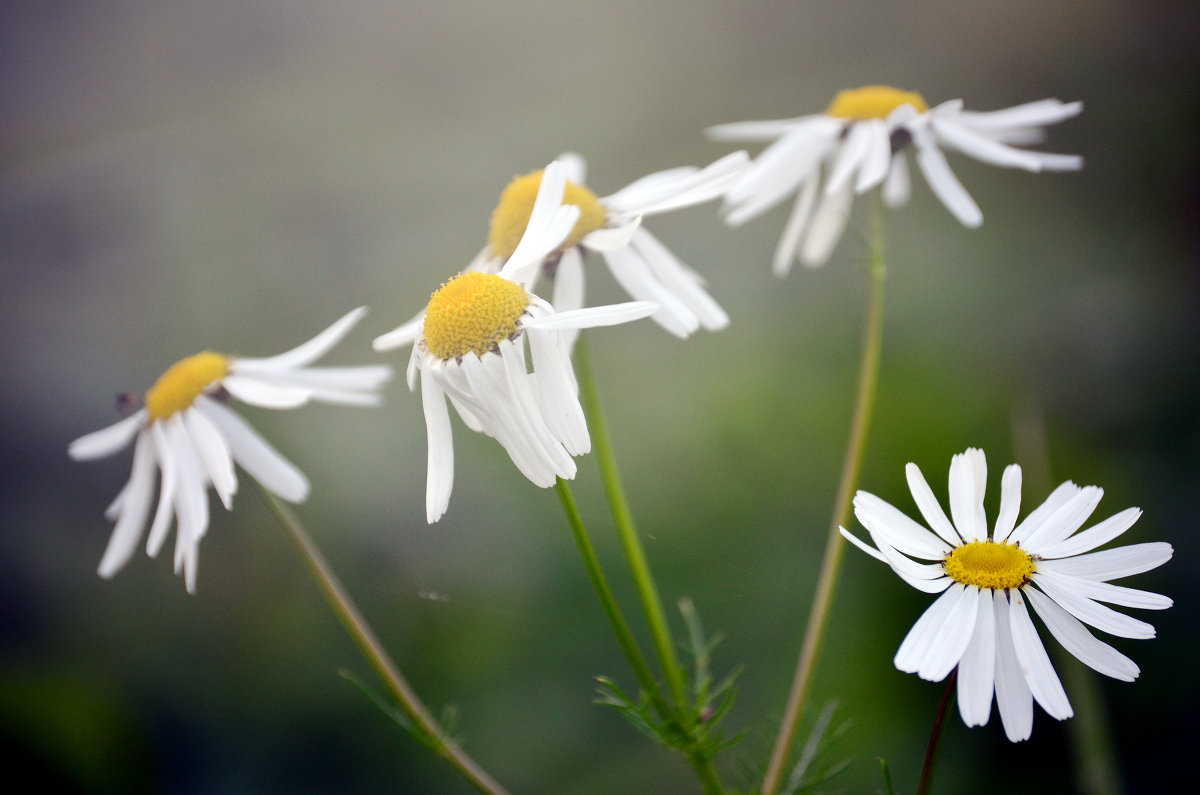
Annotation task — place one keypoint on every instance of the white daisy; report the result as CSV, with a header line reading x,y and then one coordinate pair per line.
x,y
859,142
469,346
611,225
980,622
186,430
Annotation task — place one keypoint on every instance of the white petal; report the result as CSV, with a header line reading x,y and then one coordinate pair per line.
x,y
1030,114
592,316
797,223
851,154
253,454
977,668
267,395
307,353
1065,521
1010,503
784,165
684,283
107,441
558,394
1058,498
678,188
828,223
898,530
1094,536
134,508
1091,612
1075,638
953,636
756,130
1013,699
945,185
400,336
1111,564
1039,673
440,477
877,159
968,480
898,187
929,507
213,452
865,547
165,512
574,167
1106,591
984,148
928,637
616,235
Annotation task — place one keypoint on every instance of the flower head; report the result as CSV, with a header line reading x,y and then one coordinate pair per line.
x,y
980,622
859,142
611,225
186,431
469,345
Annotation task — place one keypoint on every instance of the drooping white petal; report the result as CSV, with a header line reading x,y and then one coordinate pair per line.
x,y
304,354
592,316
568,289
927,635
574,167
1039,673
440,477
678,188
134,508
558,394
779,170
1030,114
1107,592
253,454
864,546
165,512
896,529
945,185
1075,638
615,235
797,223
213,452
405,334
977,668
107,441
851,155
1014,701
828,223
756,130
983,148
680,280
953,636
898,187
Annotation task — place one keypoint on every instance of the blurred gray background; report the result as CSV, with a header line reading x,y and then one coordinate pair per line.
x,y
179,176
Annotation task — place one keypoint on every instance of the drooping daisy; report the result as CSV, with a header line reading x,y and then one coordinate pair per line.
x,y
611,226
469,346
980,622
186,431
859,143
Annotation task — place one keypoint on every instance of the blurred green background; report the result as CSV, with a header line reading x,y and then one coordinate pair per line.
x,y
178,176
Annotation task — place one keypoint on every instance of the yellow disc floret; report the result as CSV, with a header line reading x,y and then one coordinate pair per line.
x,y
987,564
873,102
511,215
473,312
175,389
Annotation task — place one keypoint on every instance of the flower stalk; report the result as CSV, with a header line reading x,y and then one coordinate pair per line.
x,y
831,562
429,730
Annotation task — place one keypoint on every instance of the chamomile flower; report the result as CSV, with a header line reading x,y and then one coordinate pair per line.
x,y
186,431
469,345
980,623
611,226
858,143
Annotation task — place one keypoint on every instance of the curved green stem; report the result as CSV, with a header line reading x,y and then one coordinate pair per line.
x,y
620,628
831,562
362,634
660,632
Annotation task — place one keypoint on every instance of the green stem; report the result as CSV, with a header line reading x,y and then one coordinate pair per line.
x,y
660,632
362,634
612,611
831,562
935,737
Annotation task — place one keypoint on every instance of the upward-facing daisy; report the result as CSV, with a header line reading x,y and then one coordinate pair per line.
x,y
469,346
980,623
186,430
859,142
612,227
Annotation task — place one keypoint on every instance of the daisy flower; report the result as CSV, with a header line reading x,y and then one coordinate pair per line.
x,y
469,346
611,226
980,623
186,431
859,142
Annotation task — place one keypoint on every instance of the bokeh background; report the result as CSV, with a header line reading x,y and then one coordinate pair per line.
x,y
178,176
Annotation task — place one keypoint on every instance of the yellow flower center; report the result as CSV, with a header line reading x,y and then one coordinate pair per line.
x,y
873,102
175,389
511,215
990,565
473,312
